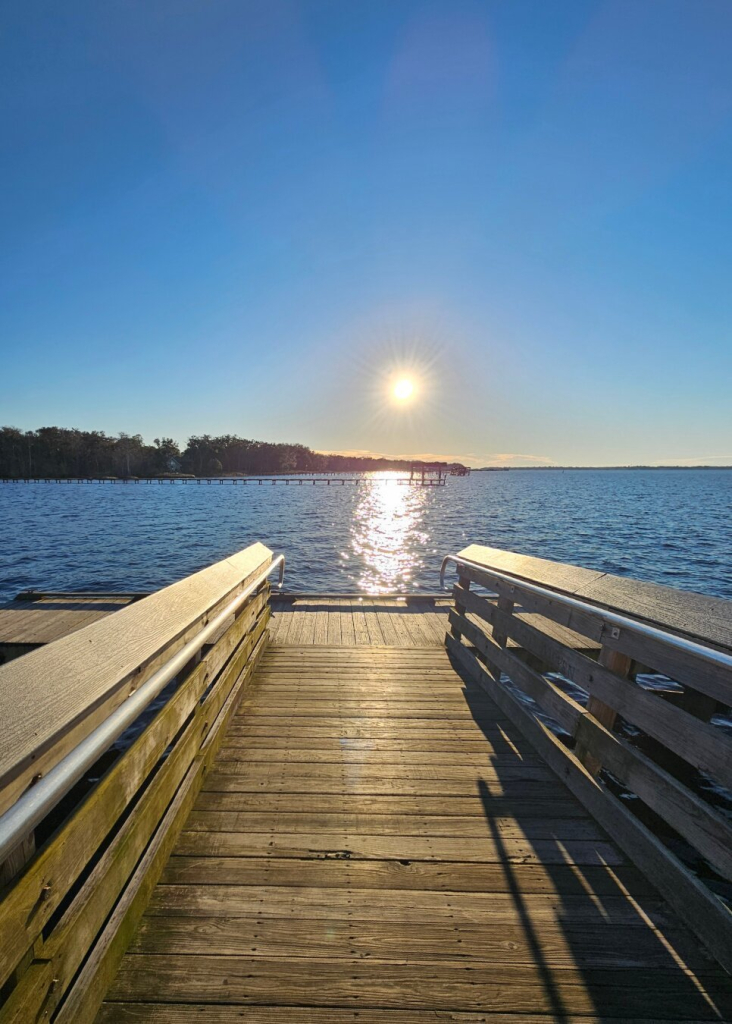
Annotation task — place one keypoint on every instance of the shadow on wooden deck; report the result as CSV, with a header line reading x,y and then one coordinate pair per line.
x,y
377,843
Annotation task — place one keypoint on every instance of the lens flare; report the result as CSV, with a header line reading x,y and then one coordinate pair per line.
x,y
403,389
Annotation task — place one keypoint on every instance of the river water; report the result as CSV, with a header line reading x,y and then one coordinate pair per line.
x,y
667,526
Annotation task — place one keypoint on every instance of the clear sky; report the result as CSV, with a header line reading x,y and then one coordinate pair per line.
x,y
246,216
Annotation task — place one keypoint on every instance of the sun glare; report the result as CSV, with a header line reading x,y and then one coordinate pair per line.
x,y
403,390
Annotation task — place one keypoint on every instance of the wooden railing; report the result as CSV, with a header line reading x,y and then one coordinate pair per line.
x,y
517,635
68,908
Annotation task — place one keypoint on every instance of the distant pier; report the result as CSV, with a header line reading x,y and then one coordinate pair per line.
x,y
417,481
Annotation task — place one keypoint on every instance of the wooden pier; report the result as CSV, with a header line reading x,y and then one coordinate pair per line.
x,y
341,814
414,480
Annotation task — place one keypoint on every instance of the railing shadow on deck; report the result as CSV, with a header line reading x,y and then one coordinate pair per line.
x,y
646,944
611,931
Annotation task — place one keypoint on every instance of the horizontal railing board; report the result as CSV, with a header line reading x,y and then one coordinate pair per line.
x,y
702,745
53,697
656,652
703,827
694,903
697,616
29,904
59,954
93,981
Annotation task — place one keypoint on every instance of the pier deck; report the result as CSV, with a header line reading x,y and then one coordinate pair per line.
x,y
377,843
221,805
34,619
347,620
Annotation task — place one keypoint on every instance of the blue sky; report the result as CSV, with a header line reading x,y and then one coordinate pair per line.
x,y
245,217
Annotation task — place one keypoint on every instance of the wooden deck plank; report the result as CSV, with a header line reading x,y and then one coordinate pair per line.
x,y
337,846
386,617
560,806
207,868
151,1013
400,630
488,944
413,906
376,635
47,618
217,814
348,632
376,843
382,984
188,1013
321,626
360,626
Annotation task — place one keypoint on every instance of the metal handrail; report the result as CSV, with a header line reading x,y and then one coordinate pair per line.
x,y
35,803
708,654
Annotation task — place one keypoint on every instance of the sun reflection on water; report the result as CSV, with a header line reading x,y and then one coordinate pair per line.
x,y
387,530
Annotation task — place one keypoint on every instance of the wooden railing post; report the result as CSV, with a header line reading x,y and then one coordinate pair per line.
x,y
560,619
506,605
459,607
620,664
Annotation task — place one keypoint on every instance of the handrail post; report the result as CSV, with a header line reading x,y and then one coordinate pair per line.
x,y
506,605
460,608
621,665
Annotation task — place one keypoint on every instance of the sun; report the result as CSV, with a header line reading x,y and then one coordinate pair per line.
x,y
403,389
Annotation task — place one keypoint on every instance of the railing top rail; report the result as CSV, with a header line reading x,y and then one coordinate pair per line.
x,y
710,655
36,802
52,698
697,616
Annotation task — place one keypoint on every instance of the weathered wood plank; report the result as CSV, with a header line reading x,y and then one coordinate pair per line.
x,y
252,779
459,876
562,947
382,984
695,904
192,1013
72,685
414,906
47,979
699,743
227,765
557,805
348,632
218,814
344,754
337,846
702,618
29,904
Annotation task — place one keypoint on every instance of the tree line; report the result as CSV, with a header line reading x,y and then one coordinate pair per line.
x,y
62,452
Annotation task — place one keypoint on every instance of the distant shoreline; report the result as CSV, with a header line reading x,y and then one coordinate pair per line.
x,y
503,469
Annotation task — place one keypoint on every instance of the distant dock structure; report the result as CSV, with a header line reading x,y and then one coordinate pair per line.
x,y
421,474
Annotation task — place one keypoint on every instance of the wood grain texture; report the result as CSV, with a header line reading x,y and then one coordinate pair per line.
x,y
695,903
46,619
194,1013
69,686
702,618
365,856
379,984
383,622
687,812
29,904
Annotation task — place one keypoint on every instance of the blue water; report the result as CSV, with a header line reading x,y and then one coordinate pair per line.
x,y
671,527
